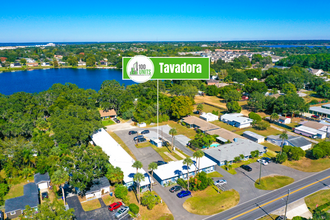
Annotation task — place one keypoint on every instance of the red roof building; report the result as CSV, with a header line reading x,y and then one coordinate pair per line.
x,y
3,59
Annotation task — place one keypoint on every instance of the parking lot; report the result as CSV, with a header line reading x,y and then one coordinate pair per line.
x,y
97,214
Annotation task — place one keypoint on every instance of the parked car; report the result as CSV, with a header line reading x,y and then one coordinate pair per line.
x,y
116,120
263,162
139,140
160,162
132,132
175,188
279,217
183,193
114,206
121,212
247,168
2,217
267,159
44,195
315,116
145,132
139,136
220,182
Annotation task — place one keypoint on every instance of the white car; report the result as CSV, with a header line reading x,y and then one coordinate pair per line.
x,y
263,162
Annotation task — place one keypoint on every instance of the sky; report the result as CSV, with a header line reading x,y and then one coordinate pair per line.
x,y
111,21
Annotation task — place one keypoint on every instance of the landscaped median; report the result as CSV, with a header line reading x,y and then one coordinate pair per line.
x,y
209,201
273,182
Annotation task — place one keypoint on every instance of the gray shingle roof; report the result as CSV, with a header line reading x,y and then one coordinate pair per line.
x,y
30,198
298,141
41,178
98,184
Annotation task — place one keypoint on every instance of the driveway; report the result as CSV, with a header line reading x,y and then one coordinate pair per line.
x,y
243,181
97,214
120,126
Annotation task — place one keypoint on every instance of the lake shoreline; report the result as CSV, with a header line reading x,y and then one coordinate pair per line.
x,y
5,69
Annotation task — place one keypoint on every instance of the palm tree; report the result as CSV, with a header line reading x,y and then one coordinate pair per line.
x,y
188,162
138,178
274,117
138,165
283,136
59,178
200,108
198,155
152,166
173,132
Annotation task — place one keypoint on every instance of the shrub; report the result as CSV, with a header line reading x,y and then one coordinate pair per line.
x,y
318,152
150,200
121,192
261,125
134,208
255,116
182,183
233,106
200,182
314,102
281,158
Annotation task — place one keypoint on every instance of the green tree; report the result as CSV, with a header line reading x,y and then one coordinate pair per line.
x,y
283,136
181,106
233,106
232,95
282,157
55,63
255,117
173,132
200,108
152,166
212,90
274,117
288,88
59,178
23,61
198,155
114,174
318,152
138,178
134,208
137,165
90,61
150,200
121,192
188,162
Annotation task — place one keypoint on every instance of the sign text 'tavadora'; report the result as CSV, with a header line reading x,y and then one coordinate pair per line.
x,y
183,68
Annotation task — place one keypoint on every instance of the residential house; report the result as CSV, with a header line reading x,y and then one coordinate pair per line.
x,y
15,65
45,64
323,112
197,123
219,85
294,141
237,120
316,72
209,116
42,181
103,62
3,59
169,173
14,207
212,82
108,113
32,64
81,63
58,57
310,132
226,153
254,137
224,135
98,188
284,120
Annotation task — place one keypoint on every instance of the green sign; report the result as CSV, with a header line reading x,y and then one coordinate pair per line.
x,y
141,68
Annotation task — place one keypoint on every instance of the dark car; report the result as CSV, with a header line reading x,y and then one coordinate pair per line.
x,y
145,132
44,195
1,216
175,189
139,140
279,217
267,159
160,162
132,132
183,193
139,136
116,120
114,206
247,168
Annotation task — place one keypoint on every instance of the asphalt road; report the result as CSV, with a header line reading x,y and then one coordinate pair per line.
x,y
268,203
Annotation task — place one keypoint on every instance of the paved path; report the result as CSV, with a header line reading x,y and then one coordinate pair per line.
x,y
180,154
293,134
297,208
102,203
120,126
170,156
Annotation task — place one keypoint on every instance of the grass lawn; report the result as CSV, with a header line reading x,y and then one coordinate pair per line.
x,y
108,122
225,126
214,174
91,205
271,146
189,132
319,198
208,108
269,131
273,182
159,212
122,144
231,171
268,217
209,201
109,199
309,165
16,190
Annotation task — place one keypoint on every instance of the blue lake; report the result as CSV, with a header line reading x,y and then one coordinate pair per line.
x,y
40,80
288,46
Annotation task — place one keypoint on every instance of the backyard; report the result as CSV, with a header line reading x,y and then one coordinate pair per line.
x,y
209,201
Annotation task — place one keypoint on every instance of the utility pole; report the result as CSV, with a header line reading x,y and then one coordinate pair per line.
x,y
157,109
260,172
286,205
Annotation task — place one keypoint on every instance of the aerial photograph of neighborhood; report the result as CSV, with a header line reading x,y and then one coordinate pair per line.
x,y
170,110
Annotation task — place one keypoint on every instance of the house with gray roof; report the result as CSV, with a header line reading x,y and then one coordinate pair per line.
x,y
14,207
98,188
228,152
294,141
253,136
237,120
42,181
